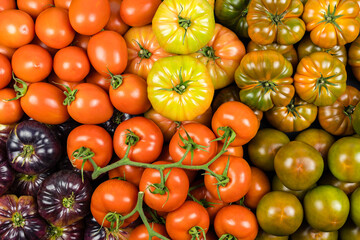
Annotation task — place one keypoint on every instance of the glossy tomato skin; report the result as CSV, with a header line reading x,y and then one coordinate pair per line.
x,y
88,17
354,58
306,232
138,13
5,71
98,79
74,231
34,7
6,51
349,231
277,185
115,22
107,52
141,232
53,28
191,214
38,42
236,220
16,28
94,231
347,187
355,207
44,103
91,105
260,185
81,41
7,4
128,173
10,111
7,176
29,184
266,236
62,3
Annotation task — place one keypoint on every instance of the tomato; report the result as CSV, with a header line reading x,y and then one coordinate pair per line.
x,y
237,221
264,78
34,7
320,79
10,111
266,236
81,41
181,28
6,51
165,198
227,94
326,208
57,82
222,55
138,13
279,213
238,175
53,28
343,159
306,47
180,88
114,196
128,173
98,79
115,22
202,145
331,23
141,232
88,17
356,119
7,4
231,151
277,185
260,185
44,103
62,3
148,147
349,231
194,222
296,116
107,53
275,21
88,100
306,232
37,41
97,139
5,71
354,58
347,187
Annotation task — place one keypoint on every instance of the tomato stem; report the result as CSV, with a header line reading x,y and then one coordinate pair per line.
x,y
69,202
208,52
27,151
183,22
197,232
84,154
131,138
143,53
20,91
18,220
227,236
116,81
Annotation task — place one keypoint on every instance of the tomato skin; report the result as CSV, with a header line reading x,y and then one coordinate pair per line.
x,y
94,137
232,151
177,184
107,52
190,214
10,112
34,7
141,232
130,173
148,148
349,231
138,13
53,28
114,196
277,185
6,51
98,79
90,99
71,64
306,232
5,71
81,41
53,79
245,127
237,221
88,17
260,185
355,207
239,174
131,96
62,3
7,4
44,103
346,187
37,41
354,58
115,22
266,236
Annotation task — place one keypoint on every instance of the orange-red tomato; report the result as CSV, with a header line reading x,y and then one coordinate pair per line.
x,y
98,79
6,51
138,13
237,151
128,173
260,185
5,71
141,232
34,7
7,4
62,3
115,22
10,111
56,81
81,41
37,41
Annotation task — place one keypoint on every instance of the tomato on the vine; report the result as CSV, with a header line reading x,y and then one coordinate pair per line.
x,y
141,232
128,173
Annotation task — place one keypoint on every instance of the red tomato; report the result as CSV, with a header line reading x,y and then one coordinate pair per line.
x,y
138,13
62,3
10,111
107,52
34,7
193,218
57,82
237,221
141,232
115,22
98,79
238,175
71,64
31,63
128,173
232,151
128,94
37,41
16,28
6,51
260,185
148,147
81,41
7,4
97,139
52,27
5,71
88,17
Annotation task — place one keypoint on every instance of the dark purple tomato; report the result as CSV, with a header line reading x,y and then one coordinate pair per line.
x,y
117,118
93,231
25,184
7,174
74,231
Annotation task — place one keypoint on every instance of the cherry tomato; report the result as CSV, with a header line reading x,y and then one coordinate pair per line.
x,y
7,4
57,82
10,111
71,64
260,185
88,17
62,3
81,41
98,79
138,13
128,173
34,7
52,27
31,63
5,71
115,22
16,28
141,232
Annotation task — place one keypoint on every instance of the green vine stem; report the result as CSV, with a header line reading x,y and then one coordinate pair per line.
x,y
20,91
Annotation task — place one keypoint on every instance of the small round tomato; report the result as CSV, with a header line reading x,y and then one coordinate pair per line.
x,y
194,222
260,185
62,3
31,63
142,136
10,111
128,94
81,41
138,13
16,28
61,84
141,232
7,4
98,79
53,28
200,140
88,17
34,7
116,197
128,173
115,22
236,221
71,64
168,196
5,71
97,141
234,178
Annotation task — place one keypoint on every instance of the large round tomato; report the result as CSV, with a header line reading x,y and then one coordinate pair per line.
x,y
108,53
10,111
260,185
5,71
182,28
138,13
141,232
93,137
180,88
115,22
34,7
88,17
53,28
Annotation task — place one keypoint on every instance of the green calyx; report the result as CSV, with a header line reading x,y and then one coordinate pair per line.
x,y
331,17
191,144
208,52
20,91
55,232
131,138
227,237
268,85
276,18
181,87
28,178
116,81
85,154
143,53
28,150
68,202
197,233
183,22
115,220
323,82
291,108
349,110
18,220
